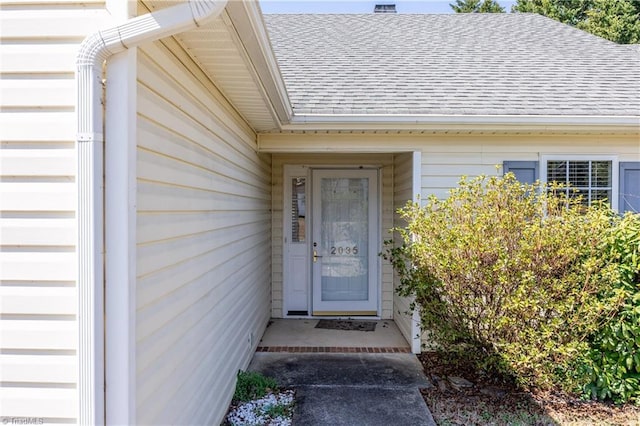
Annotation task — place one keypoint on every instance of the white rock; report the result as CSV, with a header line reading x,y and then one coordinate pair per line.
x,y
253,412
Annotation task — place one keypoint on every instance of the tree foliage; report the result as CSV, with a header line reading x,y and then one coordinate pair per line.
x,y
615,20
477,6
512,273
566,11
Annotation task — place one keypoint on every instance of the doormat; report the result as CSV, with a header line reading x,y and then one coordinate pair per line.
x,y
347,325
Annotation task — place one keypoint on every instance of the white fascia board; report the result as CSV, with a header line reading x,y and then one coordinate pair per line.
x,y
248,22
461,122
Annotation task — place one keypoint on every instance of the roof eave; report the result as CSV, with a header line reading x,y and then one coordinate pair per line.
x,y
248,20
250,26
534,123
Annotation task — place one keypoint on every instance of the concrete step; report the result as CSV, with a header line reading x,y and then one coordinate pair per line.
x,y
350,389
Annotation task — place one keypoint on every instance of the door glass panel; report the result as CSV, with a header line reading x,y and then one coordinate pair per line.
x,y
344,239
298,210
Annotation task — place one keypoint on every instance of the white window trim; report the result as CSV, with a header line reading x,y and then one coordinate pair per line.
x,y
615,172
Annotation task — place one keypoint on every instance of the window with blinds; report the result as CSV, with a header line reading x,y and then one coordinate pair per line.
x,y
589,179
298,210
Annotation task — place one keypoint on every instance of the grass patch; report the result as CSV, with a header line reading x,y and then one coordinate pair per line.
x,y
252,385
278,410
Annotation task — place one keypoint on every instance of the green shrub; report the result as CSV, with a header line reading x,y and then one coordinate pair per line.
x,y
252,385
614,365
511,274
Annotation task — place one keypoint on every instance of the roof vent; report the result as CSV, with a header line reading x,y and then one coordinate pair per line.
x,y
385,8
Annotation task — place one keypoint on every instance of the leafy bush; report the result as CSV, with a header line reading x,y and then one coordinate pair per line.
x,y
252,385
614,365
509,273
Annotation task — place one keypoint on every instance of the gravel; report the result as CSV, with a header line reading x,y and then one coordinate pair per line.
x,y
256,412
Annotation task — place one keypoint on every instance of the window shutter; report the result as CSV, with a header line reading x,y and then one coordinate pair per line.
x,y
525,171
629,187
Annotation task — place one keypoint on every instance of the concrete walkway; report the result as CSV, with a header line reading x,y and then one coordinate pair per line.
x,y
350,389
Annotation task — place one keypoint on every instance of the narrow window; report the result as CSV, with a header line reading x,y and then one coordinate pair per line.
x,y
298,210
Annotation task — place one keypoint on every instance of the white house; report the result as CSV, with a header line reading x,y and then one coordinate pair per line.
x,y
175,173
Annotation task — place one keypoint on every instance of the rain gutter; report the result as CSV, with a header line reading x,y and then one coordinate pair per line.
x,y
320,121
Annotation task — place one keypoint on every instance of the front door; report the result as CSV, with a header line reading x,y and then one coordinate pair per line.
x,y
345,242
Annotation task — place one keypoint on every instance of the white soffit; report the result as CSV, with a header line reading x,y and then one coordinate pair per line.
x,y
216,49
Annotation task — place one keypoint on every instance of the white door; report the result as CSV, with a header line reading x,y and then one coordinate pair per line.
x,y
296,277
345,242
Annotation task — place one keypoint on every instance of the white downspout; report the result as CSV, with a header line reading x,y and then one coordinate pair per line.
x,y
93,53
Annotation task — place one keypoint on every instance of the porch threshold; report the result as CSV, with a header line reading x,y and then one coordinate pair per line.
x,y
332,349
302,336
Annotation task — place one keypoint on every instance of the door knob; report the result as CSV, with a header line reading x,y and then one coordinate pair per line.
x,y
315,256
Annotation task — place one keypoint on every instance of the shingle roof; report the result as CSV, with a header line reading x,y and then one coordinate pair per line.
x,y
470,64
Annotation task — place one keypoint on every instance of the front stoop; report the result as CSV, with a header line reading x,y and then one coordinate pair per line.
x,y
350,388
332,349
301,335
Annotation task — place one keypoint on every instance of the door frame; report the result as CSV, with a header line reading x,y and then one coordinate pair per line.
x,y
291,170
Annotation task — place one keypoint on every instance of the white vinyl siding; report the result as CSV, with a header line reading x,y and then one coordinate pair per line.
x,y
446,157
38,300
444,162
326,160
402,193
203,242
386,221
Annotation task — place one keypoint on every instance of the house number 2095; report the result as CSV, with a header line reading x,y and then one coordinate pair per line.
x,y
344,250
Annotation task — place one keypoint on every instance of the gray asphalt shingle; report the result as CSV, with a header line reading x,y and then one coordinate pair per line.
x,y
470,64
